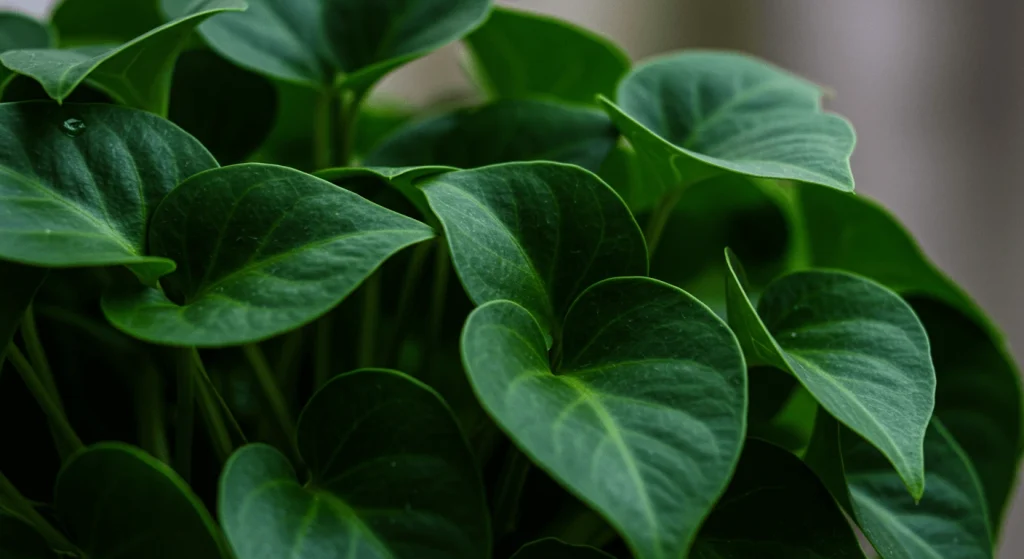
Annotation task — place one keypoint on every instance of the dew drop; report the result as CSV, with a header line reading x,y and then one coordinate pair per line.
x,y
73,127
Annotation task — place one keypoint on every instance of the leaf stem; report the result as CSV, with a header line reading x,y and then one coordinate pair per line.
x,y
800,242
413,273
322,350
659,218
66,440
37,355
440,292
184,428
149,408
15,502
511,481
214,410
272,392
371,315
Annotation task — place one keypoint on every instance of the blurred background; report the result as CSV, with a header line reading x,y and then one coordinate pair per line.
x,y
934,89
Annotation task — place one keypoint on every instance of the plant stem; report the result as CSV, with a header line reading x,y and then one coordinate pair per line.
x,y
64,436
371,314
440,292
326,126
800,243
215,410
272,392
37,355
659,218
149,408
13,500
322,350
511,481
184,428
413,273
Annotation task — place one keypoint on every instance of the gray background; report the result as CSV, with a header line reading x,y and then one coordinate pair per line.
x,y
935,89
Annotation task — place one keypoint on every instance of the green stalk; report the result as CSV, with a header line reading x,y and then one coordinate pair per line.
x,y
322,350
659,218
66,440
37,355
371,315
272,392
184,429
14,501
413,273
215,410
149,408
511,481
440,291
800,242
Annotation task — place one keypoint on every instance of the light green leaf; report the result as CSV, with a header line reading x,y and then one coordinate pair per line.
x,y
118,501
20,284
78,183
18,540
696,114
550,548
137,73
856,346
503,131
18,31
642,415
537,234
89,22
262,250
311,41
391,478
520,54
775,508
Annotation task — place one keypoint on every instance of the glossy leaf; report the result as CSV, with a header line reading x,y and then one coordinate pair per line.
x,y
391,478
18,31
310,41
856,346
696,114
20,284
503,131
89,22
550,548
18,540
643,415
519,54
138,73
537,234
78,183
261,250
775,508
118,501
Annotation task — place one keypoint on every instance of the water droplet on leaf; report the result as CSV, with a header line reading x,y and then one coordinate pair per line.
x,y
73,127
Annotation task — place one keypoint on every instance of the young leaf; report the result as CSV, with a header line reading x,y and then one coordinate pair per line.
x,y
550,548
137,73
90,22
537,234
856,346
262,250
391,478
119,501
503,131
309,41
519,54
18,540
643,415
978,398
20,284
79,182
775,508
696,114
18,31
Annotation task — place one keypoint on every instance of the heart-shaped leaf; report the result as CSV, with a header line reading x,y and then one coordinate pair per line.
x,y
503,131
775,508
311,41
118,501
89,22
978,398
391,478
78,183
262,250
692,115
856,346
137,73
537,234
20,284
550,548
18,31
18,540
519,54
643,416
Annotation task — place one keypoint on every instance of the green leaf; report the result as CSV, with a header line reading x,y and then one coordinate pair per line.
x,y
550,548
696,114
262,250
78,183
118,501
18,31
978,398
537,234
18,540
503,131
391,478
519,54
89,22
20,284
856,346
775,508
230,110
643,415
378,120
310,41
137,73
401,178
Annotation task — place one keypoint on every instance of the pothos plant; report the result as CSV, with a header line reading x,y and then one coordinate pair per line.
x,y
516,329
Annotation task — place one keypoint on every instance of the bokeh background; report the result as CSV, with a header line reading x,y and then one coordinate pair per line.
x,y
934,88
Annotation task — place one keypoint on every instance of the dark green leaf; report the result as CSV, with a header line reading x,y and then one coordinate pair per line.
x,y
18,31
230,110
642,416
507,130
262,250
520,54
856,346
391,478
79,182
137,73
537,234
309,41
18,540
551,548
696,114
20,284
118,501
401,178
88,22
775,508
